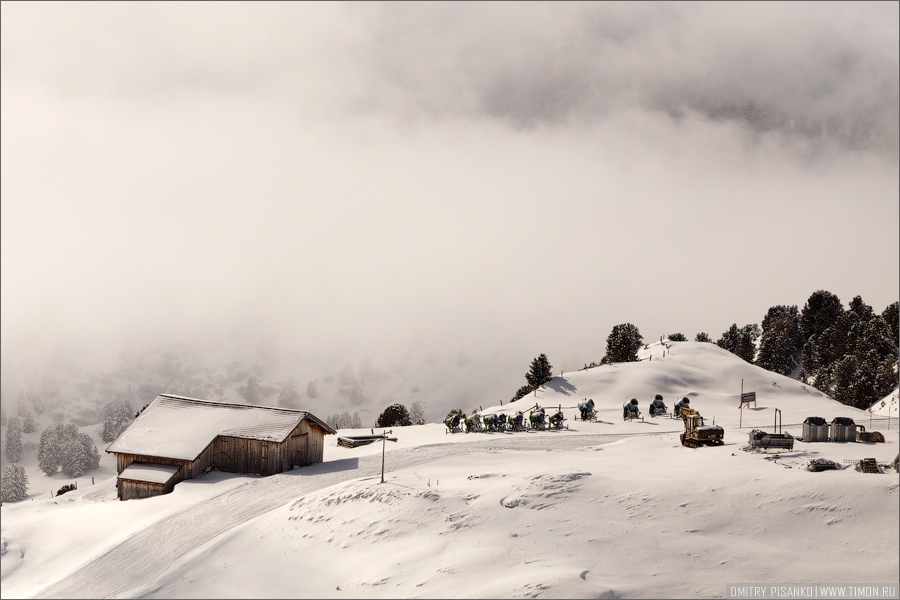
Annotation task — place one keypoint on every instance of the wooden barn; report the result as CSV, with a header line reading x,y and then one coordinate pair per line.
x,y
177,438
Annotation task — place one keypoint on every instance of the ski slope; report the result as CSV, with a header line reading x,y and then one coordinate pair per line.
x,y
606,508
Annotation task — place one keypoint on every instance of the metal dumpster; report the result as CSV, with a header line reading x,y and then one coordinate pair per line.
x,y
761,439
815,429
842,429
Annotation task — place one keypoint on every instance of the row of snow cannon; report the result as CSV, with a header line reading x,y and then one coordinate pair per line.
x,y
538,419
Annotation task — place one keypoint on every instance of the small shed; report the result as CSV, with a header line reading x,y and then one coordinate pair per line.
x,y
142,480
815,429
842,429
190,436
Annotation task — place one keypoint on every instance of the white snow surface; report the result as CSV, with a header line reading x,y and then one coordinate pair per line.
x,y
150,473
602,509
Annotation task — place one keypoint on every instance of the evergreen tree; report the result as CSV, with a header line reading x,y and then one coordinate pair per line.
x,y
355,421
79,455
677,337
730,339
14,483
250,391
702,337
35,398
117,415
394,415
28,425
522,392
892,318
623,344
782,341
13,439
312,390
746,347
539,373
289,393
51,447
417,412
819,313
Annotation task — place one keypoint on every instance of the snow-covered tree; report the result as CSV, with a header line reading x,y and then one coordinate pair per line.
x,y
417,412
14,483
13,439
289,393
79,455
28,425
623,344
891,316
117,415
312,390
250,391
782,341
394,415
50,448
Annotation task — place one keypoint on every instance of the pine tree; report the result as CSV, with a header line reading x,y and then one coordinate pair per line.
x,y
702,337
394,415
250,391
623,343
782,341
891,316
677,337
522,392
52,444
312,389
819,313
746,347
289,393
13,439
14,483
79,455
117,415
540,372
28,425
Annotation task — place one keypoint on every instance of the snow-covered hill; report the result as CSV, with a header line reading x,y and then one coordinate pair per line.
x,y
601,509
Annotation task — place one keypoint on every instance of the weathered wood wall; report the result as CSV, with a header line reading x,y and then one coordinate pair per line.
x,y
131,490
305,445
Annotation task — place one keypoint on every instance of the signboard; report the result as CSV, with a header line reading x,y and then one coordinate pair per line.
x,y
747,398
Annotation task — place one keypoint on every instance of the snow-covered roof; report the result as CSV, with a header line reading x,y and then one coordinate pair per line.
x,y
138,471
178,427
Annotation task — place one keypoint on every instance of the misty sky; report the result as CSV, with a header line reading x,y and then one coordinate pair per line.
x,y
506,176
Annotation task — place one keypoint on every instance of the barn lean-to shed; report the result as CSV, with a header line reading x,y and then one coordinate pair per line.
x,y
176,438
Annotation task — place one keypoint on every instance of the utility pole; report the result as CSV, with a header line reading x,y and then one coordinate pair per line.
x,y
383,442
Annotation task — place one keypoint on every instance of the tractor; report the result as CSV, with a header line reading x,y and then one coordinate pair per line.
x,y
697,434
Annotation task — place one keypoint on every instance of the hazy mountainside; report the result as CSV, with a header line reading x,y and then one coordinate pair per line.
x,y
608,506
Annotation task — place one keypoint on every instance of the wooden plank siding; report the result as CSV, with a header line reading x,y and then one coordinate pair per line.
x,y
304,446
131,490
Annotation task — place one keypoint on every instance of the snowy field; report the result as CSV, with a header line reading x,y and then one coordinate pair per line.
x,y
600,509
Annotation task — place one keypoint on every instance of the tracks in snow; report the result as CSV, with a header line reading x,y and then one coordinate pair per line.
x,y
142,558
